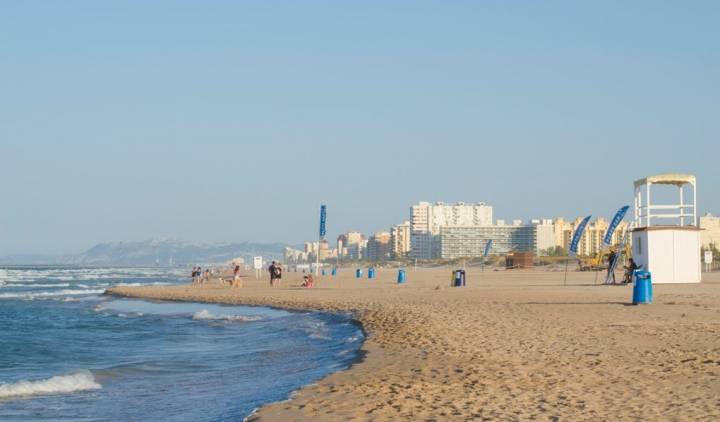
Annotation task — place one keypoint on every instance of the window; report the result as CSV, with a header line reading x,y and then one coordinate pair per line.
x,y
638,245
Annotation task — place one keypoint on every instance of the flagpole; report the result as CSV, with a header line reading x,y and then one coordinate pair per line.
x,y
572,251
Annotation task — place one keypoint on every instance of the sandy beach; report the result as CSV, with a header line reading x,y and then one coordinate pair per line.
x,y
512,345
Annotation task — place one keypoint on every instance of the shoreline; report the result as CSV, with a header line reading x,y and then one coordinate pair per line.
x,y
510,345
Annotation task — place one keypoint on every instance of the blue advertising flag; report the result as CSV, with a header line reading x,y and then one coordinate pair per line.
x,y
607,240
578,234
487,248
323,219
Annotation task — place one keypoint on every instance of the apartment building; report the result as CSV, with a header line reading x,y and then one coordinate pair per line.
x,y
426,220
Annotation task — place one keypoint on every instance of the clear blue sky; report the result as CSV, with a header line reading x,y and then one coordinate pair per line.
x,y
227,120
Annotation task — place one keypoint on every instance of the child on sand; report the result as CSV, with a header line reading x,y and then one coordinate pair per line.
x,y
308,281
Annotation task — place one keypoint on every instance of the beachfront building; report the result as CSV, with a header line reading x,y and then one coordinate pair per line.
x,y
310,247
591,241
400,240
379,246
294,256
710,234
469,242
323,250
562,231
427,219
351,245
357,250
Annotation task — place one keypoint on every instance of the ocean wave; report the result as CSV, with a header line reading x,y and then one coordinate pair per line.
x,y
316,330
62,384
205,315
36,295
35,285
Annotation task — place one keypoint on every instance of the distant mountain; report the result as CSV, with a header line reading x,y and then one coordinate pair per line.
x,y
161,252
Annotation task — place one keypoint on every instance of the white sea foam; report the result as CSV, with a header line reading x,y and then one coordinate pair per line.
x,y
37,295
158,283
205,315
316,330
36,285
61,384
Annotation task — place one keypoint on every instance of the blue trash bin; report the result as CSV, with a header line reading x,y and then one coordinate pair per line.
x,y
371,272
642,289
334,271
358,273
401,276
459,278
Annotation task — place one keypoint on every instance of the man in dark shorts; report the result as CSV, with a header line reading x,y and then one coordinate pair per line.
x,y
275,273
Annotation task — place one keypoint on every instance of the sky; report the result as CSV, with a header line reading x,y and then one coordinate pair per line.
x,y
233,121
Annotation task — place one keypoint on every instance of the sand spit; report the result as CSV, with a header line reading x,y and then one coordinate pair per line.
x,y
510,346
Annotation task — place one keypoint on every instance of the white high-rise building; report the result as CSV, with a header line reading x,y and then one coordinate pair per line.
x,y
426,219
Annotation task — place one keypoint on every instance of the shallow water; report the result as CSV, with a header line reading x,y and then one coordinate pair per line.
x,y
69,353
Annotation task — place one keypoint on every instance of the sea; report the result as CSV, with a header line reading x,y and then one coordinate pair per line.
x,y
70,353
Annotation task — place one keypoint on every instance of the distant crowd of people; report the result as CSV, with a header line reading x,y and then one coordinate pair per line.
x,y
200,277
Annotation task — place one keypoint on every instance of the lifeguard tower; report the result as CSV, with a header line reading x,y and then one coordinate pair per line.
x,y
666,238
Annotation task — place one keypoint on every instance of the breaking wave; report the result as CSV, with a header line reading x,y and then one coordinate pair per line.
x,y
36,285
36,295
61,384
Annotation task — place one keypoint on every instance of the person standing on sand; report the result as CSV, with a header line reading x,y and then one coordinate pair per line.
x,y
611,270
275,273
194,275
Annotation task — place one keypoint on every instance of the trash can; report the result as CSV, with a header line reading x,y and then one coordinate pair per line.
x,y
458,278
323,272
371,272
401,276
642,288
334,271
358,273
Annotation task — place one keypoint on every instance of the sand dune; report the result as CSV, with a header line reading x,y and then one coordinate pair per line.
x,y
511,346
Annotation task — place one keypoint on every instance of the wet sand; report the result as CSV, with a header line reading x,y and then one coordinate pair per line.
x,y
512,345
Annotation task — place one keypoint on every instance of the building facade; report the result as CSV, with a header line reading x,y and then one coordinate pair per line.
x,y
710,234
469,242
351,245
591,241
379,247
426,221
400,240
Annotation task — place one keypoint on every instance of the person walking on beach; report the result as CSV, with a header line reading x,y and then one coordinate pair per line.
x,y
236,277
194,275
206,279
275,273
